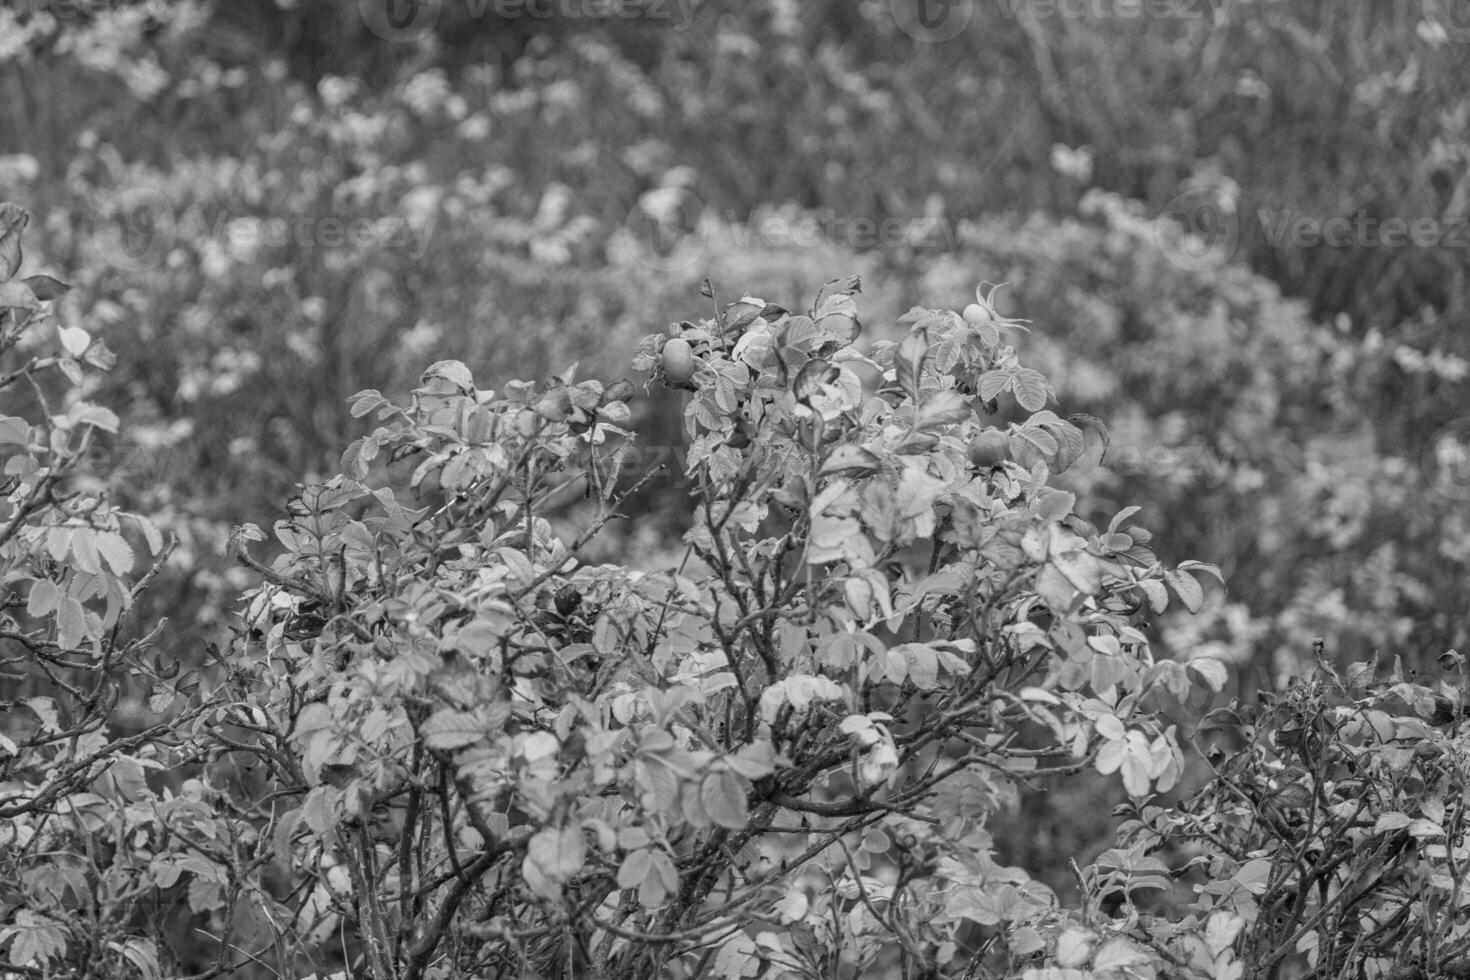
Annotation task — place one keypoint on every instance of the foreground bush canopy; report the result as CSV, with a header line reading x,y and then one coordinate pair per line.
x,y
443,745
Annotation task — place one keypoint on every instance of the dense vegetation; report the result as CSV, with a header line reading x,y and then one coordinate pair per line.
x,y
263,209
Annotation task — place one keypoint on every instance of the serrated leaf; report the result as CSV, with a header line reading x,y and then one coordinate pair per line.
x,y
943,407
319,810
364,402
71,623
84,550
1202,568
452,371
1118,953
1039,438
1080,419
1031,389
1187,589
852,459
99,356
143,954
908,361
724,800
992,383
13,220
1221,929
154,539
737,957
115,551
923,665
451,729
1391,821
43,598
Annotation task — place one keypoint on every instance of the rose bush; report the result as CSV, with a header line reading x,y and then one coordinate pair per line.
x,y
443,744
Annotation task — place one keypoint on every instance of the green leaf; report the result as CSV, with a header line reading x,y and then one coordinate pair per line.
x,y
1393,820
451,729
1255,875
14,431
74,340
992,383
115,551
851,459
1158,596
17,296
724,800
46,288
664,881
1074,946
13,220
34,939
154,539
1031,389
43,599
142,953
1221,929
453,372
84,550
559,853
71,623
636,866
85,413
922,665
1187,589
319,810
1202,568
366,401
1041,440
753,761
737,957
908,361
943,407
1118,953
1211,672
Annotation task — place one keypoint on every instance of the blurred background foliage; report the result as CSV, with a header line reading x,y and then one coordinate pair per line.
x,y
524,192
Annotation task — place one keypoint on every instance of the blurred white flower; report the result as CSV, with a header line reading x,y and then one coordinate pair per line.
x,y
337,91
1073,163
